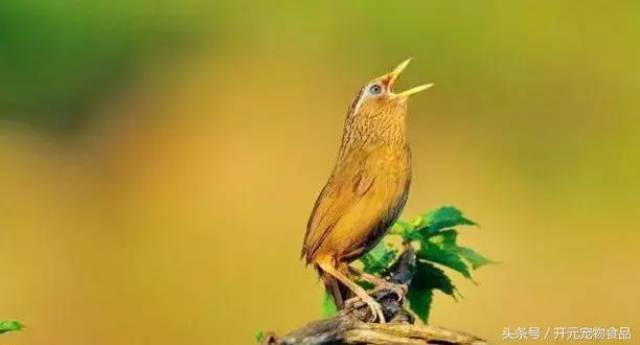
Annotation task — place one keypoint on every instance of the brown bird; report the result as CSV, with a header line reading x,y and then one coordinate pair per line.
x,y
366,191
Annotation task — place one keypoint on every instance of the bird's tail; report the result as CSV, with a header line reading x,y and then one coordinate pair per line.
x,y
337,290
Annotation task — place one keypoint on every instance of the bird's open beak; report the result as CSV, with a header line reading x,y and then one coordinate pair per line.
x,y
392,77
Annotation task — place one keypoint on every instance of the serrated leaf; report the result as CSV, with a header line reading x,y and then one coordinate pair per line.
x,y
329,308
9,326
441,218
447,240
420,303
379,258
444,256
476,260
427,278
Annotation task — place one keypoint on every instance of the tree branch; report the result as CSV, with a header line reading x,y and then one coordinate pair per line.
x,y
354,325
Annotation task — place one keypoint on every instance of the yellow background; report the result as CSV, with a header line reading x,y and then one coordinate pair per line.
x,y
159,159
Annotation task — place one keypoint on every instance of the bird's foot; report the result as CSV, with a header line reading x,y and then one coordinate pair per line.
x,y
374,306
380,284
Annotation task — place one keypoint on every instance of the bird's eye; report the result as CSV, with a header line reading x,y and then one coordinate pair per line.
x,y
375,89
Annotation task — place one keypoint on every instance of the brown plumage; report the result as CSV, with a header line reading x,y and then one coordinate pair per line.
x,y
367,189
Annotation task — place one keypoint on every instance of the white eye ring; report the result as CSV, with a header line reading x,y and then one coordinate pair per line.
x,y
375,89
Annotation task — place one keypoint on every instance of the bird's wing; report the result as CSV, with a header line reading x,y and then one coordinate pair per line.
x,y
342,191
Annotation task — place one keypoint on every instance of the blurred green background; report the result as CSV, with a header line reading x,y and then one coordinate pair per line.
x,y
159,159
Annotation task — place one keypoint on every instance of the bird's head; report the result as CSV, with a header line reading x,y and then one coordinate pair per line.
x,y
378,97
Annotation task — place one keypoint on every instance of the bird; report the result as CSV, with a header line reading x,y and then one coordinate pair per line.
x,y
366,191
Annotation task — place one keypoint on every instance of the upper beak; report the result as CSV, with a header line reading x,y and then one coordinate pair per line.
x,y
392,76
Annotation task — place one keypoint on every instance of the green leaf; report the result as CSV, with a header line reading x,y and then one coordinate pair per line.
x,y
259,336
379,258
329,308
426,279
476,260
447,240
402,228
441,218
444,256
8,326
428,276
420,302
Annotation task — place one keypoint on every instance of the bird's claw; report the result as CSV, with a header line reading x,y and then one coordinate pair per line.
x,y
374,306
376,309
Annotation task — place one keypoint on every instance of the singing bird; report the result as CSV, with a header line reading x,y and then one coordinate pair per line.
x,y
366,191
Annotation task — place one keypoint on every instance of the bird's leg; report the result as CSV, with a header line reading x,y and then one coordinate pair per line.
x,y
380,283
329,268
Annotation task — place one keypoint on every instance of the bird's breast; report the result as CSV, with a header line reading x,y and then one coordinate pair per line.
x,y
366,221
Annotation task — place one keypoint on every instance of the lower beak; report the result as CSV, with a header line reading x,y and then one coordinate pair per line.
x,y
414,90
392,77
